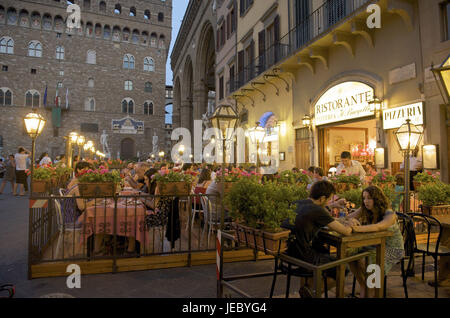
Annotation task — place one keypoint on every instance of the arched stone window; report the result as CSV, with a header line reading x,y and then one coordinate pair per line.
x,y
59,24
5,96
36,20
147,14
35,49
7,45
160,17
128,106
106,32
102,7
144,38
89,29
128,85
24,19
135,37
12,16
87,4
148,87
32,98
149,64
89,104
128,62
60,53
162,42
118,9
153,40
91,83
148,108
98,30
47,22
132,12
91,57
116,33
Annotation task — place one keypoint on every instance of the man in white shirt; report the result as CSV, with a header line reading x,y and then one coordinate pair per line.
x,y
415,166
350,167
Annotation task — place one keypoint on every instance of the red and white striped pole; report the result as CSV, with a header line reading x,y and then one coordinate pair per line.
x,y
219,263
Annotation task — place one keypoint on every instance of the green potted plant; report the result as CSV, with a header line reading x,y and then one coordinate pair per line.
x,y
435,197
424,178
384,180
63,175
42,179
344,183
258,210
98,182
173,183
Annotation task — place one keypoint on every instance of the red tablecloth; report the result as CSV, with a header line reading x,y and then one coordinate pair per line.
x,y
99,219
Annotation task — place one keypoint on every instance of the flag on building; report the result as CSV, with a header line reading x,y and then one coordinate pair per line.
x,y
45,96
57,98
67,98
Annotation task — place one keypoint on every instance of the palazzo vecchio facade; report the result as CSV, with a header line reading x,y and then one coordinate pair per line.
x,y
107,77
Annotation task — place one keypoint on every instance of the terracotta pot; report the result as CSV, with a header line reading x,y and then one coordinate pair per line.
x,y
269,243
41,186
103,189
174,188
436,210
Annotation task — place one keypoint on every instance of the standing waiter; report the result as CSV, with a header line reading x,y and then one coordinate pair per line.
x,y
415,166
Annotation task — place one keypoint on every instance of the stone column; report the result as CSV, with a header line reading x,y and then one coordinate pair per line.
x,y
186,114
200,101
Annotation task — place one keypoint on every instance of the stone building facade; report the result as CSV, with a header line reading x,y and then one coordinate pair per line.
x,y
110,73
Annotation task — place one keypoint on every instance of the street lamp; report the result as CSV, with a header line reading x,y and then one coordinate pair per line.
x,y
375,105
306,121
181,150
80,142
161,155
408,137
443,74
257,135
71,140
224,119
34,124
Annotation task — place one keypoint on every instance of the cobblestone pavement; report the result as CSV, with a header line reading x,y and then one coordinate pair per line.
x,y
194,282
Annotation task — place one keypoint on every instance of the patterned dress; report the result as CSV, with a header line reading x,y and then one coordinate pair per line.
x,y
395,250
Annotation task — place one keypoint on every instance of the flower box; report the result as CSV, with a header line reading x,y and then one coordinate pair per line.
x,y
103,189
41,186
174,188
417,185
342,187
269,243
436,210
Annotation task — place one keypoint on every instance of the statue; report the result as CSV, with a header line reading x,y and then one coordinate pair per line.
x,y
205,120
155,143
104,142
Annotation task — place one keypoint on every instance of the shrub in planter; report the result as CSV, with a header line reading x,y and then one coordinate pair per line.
x,y
98,182
425,177
435,196
383,180
173,183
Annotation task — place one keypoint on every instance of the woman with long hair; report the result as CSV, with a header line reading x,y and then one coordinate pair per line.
x,y
376,215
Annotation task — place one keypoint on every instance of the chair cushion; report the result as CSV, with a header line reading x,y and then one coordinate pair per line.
x,y
432,247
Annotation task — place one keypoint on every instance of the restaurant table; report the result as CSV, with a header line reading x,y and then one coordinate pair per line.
x,y
356,240
99,219
444,262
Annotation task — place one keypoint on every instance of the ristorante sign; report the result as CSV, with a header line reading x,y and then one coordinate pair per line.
x,y
345,101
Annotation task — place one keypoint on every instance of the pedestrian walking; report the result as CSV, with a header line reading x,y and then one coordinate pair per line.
x,y
20,159
10,173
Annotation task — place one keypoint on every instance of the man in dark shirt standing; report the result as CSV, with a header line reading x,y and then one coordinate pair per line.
x,y
311,217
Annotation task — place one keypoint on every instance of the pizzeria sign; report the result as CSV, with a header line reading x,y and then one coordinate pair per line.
x,y
395,117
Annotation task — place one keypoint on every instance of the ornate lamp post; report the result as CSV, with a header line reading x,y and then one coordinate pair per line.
x,y
257,135
225,120
34,124
442,76
71,141
408,137
80,142
161,155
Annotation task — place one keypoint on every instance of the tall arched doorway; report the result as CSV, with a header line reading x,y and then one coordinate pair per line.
x,y
128,149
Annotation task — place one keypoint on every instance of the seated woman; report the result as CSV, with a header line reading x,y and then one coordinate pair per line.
x,y
203,183
375,215
71,214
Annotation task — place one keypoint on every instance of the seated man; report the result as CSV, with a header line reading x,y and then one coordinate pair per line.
x,y
137,182
350,167
311,217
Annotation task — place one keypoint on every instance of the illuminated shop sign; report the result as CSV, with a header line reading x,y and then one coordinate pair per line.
x,y
395,117
345,101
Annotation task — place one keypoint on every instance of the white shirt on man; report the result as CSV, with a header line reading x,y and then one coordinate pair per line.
x,y
355,168
414,164
21,161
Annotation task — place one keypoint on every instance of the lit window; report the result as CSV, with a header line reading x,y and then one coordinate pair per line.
x,y
128,62
60,53
149,64
128,85
35,49
6,45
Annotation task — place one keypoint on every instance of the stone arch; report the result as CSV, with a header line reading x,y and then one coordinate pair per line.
x,y
205,69
187,95
24,18
176,103
58,24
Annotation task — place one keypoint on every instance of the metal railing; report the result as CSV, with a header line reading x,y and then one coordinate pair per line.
x,y
308,30
65,228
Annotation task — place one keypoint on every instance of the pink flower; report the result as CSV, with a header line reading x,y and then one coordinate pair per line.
x,y
438,173
383,178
